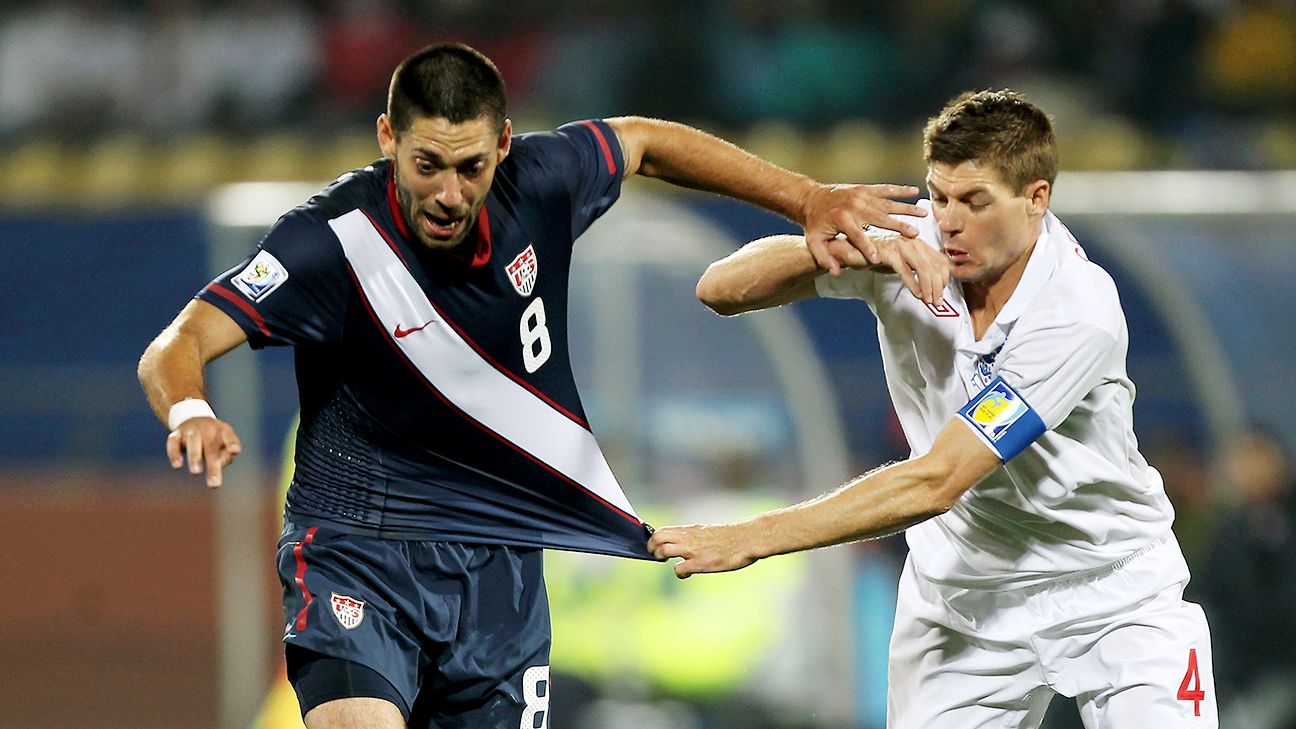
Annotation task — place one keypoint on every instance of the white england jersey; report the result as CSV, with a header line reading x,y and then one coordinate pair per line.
x,y
1078,497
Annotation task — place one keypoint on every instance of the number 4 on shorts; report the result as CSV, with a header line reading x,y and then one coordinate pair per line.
x,y
1190,689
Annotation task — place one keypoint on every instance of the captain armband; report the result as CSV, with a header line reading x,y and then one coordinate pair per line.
x,y
1003,419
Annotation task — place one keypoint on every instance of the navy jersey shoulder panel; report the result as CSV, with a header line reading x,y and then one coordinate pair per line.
x,y
360,188
579,165
294,289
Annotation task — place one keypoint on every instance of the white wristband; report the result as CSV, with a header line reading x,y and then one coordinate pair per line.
x,y
190,407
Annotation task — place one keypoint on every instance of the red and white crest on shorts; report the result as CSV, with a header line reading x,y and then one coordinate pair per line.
x,y
522,271
349,611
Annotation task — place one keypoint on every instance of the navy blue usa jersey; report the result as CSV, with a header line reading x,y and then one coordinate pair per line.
x,y
437,398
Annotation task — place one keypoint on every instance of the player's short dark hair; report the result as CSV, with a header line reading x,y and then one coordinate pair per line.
x,y
447,80
998,128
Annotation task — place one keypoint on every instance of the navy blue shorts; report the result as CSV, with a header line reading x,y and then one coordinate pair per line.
x,y
460,632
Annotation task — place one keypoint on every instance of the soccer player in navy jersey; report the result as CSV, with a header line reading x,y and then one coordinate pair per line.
x,y
442,442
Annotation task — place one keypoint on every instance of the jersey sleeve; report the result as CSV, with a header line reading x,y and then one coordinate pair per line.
x,y
1056,367
291,290
582,161
853,283
1046,373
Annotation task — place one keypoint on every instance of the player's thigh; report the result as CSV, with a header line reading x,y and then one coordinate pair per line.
x,y
1152,669
496,674
355,713
942,677
959,685
352,617
521,702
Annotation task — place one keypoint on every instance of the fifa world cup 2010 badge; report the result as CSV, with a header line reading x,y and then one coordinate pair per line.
x,y
348,610
1004,418
263,274
996,410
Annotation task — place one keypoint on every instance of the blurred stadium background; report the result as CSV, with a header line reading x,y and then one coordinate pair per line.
x,y
138,143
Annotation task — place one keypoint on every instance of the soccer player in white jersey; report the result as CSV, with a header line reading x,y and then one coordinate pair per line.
x,y
1041,559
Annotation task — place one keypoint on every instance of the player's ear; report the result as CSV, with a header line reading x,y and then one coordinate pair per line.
x,y
1038,194
505,140
386,137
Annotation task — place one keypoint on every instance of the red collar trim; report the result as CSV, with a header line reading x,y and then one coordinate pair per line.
x,y
482,243
482,251
394,203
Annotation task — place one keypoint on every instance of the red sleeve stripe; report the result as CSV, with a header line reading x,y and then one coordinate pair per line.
x,y
242,304
602,140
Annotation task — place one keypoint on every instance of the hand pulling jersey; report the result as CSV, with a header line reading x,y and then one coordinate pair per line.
x,y
437,399
1074,494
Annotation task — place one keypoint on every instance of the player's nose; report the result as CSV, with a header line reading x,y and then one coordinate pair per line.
x,y
450,191
949,222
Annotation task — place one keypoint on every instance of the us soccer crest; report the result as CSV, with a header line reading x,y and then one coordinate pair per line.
x,y
522,271
348,610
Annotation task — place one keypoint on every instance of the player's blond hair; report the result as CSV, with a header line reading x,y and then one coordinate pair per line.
x,y
998,128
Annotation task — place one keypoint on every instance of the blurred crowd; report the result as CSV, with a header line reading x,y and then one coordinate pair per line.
x,y
1245,577
1235,517
1185,70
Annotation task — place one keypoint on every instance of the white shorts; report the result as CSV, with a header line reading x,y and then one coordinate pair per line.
x,y
1121,641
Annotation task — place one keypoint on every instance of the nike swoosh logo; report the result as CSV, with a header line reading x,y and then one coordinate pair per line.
x,y
406,332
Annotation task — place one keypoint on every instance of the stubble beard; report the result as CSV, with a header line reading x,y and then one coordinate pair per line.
x,y
412,212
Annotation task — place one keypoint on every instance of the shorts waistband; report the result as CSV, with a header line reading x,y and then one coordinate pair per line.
x,y
1095,573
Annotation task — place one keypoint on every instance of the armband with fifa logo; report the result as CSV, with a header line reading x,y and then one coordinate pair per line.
x,y
1003,419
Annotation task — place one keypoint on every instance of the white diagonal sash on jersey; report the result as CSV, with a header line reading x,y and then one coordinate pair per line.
x,y
462,375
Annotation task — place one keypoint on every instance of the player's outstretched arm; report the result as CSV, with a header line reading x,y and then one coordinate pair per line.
x,y
781,270
876,504
766,272
692,158
171,372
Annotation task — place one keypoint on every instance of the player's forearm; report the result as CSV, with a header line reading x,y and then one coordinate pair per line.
x,y
766,272
692,158
880,503
171,370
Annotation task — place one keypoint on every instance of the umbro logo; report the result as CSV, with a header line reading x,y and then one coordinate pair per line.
x,y
942,308
402,332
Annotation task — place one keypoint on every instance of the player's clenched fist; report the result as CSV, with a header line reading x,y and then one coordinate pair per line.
x,y
704,547
208,443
